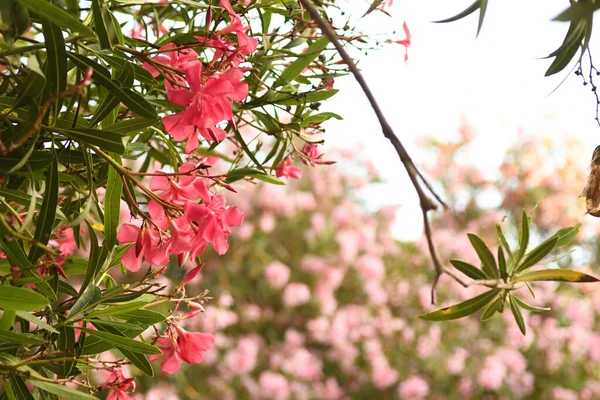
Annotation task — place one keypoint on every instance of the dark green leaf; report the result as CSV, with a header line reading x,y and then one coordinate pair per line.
x,y
536,255
57,16
466,12
502,264
461,309
62,391
118,309
47,214
523,234
112,207
516,311
106,140
492,309
241,173
35,320
146,317
103,22
20,338
57,57
485,255
526,306
131,126
16,19
139,360
294,69
124,342
469,270
285,99
20,388
131,99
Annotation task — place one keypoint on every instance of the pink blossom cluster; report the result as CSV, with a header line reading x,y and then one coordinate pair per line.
x,y
321,302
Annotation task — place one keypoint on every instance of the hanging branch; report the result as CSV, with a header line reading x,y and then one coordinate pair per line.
x,y
417,179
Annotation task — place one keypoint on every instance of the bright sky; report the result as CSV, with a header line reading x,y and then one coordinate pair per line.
x,y
496,81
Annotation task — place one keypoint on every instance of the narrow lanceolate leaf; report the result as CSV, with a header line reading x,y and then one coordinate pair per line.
x,y
516,311
566,235
285,99
45,220
139,360
527,306
146,317
20,299
536,255
20,338
112,207
523,235
35,320
492,309
485,255
57,16
124,342
502,264
461,309
62,391
294,69
558,275
131,99
466,12
468,269
131,126
482,9
118,309
503,241
106,140
104,25
57,57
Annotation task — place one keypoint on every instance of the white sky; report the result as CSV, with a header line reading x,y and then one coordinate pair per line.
x,y
496,81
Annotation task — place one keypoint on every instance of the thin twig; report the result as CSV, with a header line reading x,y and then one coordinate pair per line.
x,y
426,203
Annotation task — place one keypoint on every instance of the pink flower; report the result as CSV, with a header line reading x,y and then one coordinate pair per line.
x,y
286,169
147,244
277,274
274,386
296,294
406,41
215,220
174,59
246,44
118,385
413,388
188,347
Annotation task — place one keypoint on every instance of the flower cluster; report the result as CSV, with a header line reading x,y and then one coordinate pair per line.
x,y
179,225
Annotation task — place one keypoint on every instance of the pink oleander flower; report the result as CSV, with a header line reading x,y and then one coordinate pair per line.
x,y
406,41
277,274
181,189
296,294
185,346
207,101
246,44
413,388
118,386
174,59
274,386
148,244
215,220
285,169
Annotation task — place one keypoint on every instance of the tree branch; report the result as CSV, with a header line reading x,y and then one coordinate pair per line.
x,y
426,203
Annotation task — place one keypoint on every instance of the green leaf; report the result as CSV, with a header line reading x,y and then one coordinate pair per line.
x,y
106,140
91,296
57,16
95,260
566,235
294,69
57,57
492,309
286,99
47,214
118,309
529,307
516,311
131,126
139,360
523,234
145,317
485,255
104,25
570,46
536,255
241,173
124,342
502,264
131,99
469,270
35,320
112,207
466,12
557,275
461,309
16,19
20,388
21,299
482,9
37,160
60,390
20,338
